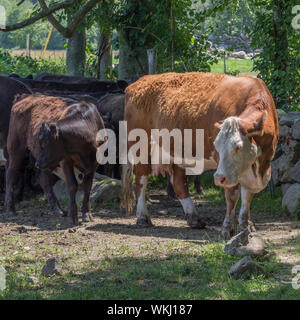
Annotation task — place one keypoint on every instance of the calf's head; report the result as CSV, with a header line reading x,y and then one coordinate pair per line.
x,y
50,146
237,151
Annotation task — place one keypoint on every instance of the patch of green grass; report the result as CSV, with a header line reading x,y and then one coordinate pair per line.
x,y
188,271
244,67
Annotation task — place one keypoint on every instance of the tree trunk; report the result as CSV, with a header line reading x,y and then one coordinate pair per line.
x,y
104,71
131,65
76,54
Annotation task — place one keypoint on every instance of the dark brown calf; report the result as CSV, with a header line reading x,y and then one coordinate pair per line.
x,y
58,132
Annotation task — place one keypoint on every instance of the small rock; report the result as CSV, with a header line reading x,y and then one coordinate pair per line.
x,y
245,268
255,248
52,266
237,241
291,198
33,280
72,230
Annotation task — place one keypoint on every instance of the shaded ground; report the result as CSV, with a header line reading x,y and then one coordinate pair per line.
x,y
112,258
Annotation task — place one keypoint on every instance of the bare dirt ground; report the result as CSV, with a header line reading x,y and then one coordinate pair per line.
x,y
36,227
111,251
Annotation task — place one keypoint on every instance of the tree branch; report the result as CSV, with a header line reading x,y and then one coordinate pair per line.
x,y
39,16
68,31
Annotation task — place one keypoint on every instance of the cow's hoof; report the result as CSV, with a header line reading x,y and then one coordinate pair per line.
x,y
87,217
195,222
226,234
251,226
144,222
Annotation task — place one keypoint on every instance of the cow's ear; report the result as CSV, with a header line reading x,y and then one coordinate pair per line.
x,y
54,131
253,124
218,125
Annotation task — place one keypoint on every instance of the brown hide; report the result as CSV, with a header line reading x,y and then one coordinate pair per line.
x,y
199,100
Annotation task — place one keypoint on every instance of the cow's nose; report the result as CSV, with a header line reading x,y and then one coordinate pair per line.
x,y
220,180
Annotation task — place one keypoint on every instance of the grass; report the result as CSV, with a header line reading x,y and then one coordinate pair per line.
x,y
242,67
187,271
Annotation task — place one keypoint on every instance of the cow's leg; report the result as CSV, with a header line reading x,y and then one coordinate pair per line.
x,y
72,187
229,227
12,172
46,184
141,177
87,185
117,171
180,185
244,215
197,184
170,190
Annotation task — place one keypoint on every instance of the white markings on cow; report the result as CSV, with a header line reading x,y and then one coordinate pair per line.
x,y
188,206
141,205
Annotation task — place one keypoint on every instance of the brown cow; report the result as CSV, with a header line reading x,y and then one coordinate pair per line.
x,y
240,125
57,131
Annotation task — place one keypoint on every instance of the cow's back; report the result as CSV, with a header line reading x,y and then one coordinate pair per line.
x,y
197,101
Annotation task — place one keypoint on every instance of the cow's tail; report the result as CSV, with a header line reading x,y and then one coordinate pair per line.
x,y
127,197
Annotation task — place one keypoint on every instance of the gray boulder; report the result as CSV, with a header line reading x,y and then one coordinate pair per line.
x,y
245,268
289,119
296,129
246,243
52,266
103,189
295,172
285,187
291,198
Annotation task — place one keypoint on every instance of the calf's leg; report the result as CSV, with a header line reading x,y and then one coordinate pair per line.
x,y
229,227
46,184
141,177
244,215
87,185
72,187
13,166
180,185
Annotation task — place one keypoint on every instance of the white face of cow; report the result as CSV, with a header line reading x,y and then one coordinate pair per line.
x,y
236,153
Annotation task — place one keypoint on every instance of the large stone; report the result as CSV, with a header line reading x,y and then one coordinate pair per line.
x,y
289,118
296,129
256,247
291,198
281,169
237,241
245,268
285,131
295,172
103,189
285,187
52,266
246,243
